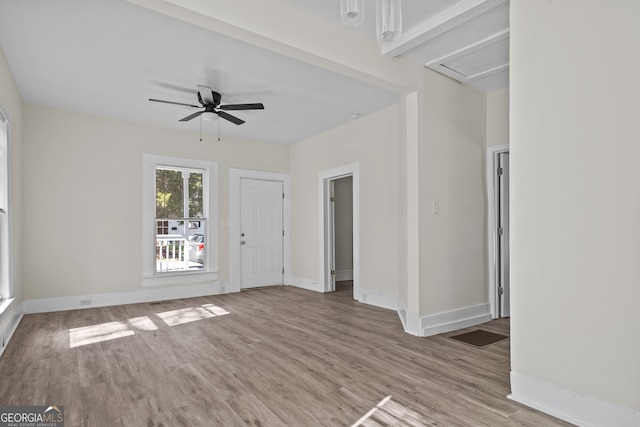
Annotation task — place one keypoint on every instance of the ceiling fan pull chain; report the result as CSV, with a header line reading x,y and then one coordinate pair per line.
x,y
218,130
201,128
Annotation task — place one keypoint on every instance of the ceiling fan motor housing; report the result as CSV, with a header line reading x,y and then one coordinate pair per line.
x,y
216,99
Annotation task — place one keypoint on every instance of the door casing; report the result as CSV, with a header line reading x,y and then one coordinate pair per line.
x,y
504,290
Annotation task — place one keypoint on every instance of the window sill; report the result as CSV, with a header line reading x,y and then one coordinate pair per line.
x,y
180,278
5,304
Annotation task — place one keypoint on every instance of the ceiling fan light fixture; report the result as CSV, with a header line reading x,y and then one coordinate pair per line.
x,y
209,116
388,21
352,12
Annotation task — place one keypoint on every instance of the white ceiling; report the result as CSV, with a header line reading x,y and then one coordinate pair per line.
x,y
109,57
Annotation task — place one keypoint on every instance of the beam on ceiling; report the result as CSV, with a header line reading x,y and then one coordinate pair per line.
x,y
468,49
460,12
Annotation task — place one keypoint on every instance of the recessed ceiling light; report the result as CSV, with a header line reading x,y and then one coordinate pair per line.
x,y
355,115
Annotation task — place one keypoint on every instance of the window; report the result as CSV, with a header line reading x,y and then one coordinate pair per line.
x,y
162,227
179,200
179,219
5,273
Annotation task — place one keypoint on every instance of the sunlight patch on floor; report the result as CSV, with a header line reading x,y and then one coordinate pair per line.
x,y
218,311
113,330
388,412
142,323
97,333
191,314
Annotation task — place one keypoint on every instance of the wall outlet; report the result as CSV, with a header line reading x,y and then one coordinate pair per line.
x,y
85,302
222,289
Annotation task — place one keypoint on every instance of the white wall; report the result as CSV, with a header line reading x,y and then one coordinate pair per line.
x,y
11,106
83,178
452,151
372,142
575,201
498,117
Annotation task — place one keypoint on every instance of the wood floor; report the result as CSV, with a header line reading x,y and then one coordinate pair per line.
x,y
268,357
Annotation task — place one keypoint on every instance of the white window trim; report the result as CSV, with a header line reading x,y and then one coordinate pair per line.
x,y
149,277
6,283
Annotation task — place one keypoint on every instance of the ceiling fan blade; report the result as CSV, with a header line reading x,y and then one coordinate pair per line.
x,y
232,119
257,106
176,103
192,116
206,94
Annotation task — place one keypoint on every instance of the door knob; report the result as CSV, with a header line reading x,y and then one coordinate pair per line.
x,y
242,242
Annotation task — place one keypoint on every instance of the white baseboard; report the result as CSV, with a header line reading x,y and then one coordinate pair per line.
x,y
6,332
453,320
229,288
410,324
569,406
11,328
379,299
46,305
344,275
402,313
308,284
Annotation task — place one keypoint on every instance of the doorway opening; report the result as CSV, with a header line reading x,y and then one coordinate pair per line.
x,y
341,200
340,230
499,230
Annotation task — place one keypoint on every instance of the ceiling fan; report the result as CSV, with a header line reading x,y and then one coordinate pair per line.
x,y
210,100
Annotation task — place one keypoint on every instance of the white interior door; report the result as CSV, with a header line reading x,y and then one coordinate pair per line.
x,y
261,233
503,233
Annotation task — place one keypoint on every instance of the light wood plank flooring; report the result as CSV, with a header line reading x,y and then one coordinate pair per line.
x,y
269,357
